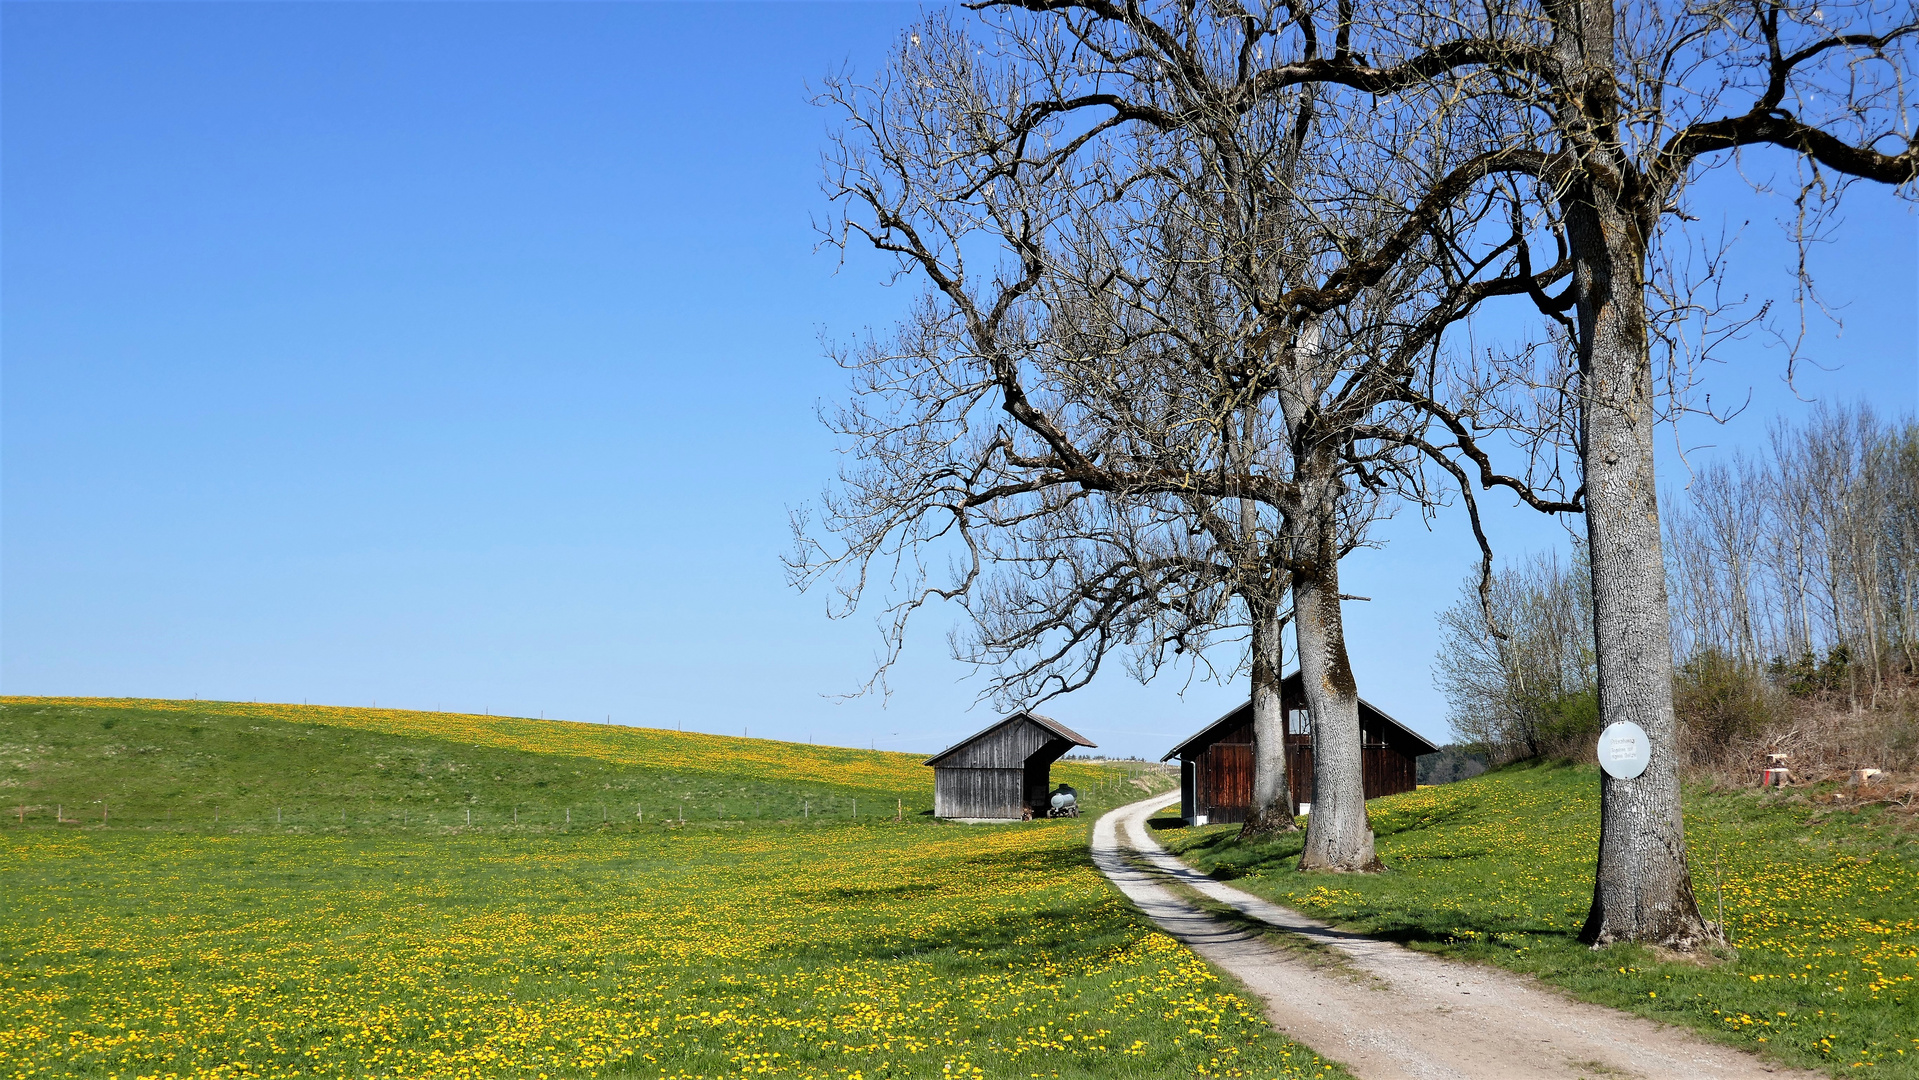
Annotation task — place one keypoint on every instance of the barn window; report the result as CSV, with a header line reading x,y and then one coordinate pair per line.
x,y
1299,722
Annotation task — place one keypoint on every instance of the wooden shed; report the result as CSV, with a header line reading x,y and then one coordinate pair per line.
x,y
1216,763
1002,771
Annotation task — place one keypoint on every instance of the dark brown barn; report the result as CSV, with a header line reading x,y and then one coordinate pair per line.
x,y
1216,764
1003,770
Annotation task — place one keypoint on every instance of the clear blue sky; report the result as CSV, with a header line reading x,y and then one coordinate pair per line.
x,y
464,357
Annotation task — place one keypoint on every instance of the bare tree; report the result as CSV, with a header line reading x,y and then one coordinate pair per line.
x,y
1898,465
1595,118
1070,420
1713,555
1808,549
1517,664
1128,428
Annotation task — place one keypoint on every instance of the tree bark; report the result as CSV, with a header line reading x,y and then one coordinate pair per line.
x,y
1642,891
1338,834
1272,809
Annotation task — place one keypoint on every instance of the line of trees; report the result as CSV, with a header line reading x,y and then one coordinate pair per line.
x,y
1804,559
1196,279
1794,573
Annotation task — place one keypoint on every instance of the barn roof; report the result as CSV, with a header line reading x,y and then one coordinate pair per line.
x,y
1293,687
1046,722
1206,735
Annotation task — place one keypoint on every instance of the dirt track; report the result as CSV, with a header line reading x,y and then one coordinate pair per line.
x,y
1388,1012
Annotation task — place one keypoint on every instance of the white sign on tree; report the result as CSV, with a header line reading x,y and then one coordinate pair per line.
x,y
1624,750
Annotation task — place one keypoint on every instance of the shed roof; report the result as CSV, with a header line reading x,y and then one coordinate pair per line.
x,y
1293,687
1051,725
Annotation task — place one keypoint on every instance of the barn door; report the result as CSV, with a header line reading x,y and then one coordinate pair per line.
x,y
1229,781
1299,770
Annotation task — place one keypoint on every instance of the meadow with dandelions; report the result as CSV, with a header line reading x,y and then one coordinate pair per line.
x,y
398,942
1820,904
231,765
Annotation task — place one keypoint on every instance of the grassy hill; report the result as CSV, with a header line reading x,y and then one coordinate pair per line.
x,y
200,764
388,946
1820,899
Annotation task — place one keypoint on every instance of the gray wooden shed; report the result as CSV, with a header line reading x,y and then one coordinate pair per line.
x,y
1002,771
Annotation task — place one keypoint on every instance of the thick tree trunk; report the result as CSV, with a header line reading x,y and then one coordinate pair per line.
x,y
1272,809
1642,891
1338,834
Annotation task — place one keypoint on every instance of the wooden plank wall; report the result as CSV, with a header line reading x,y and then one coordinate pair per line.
x,y
1228,791
1387,761
1388,771
1005,747
1222,783
978,793
1299,768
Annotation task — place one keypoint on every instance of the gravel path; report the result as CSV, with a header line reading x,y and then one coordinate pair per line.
x,y
1387,1012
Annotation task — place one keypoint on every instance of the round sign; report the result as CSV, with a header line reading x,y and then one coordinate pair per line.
x,y
1624,749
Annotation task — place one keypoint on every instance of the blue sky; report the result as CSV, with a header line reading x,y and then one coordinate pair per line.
x,y
465,357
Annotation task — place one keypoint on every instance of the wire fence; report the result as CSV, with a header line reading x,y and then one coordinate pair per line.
x,y
322,815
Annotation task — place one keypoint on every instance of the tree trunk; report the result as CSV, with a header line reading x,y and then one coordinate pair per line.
x,y
1641,891
1338,835
1272,809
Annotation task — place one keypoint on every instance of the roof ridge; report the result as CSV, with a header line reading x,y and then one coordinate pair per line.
x,y
1248,703
1046,722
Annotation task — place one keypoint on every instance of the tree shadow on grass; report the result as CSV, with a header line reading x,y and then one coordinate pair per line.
x,y
854,894
1053,928
1042,864
1455,928
1043,861
1056,935
1226,855
1440,856
1389,824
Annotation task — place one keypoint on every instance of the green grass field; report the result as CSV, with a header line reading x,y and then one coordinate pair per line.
x,y
757,939
207,765
1822,907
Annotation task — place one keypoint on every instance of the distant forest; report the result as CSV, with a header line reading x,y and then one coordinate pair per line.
x,y
1453,762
